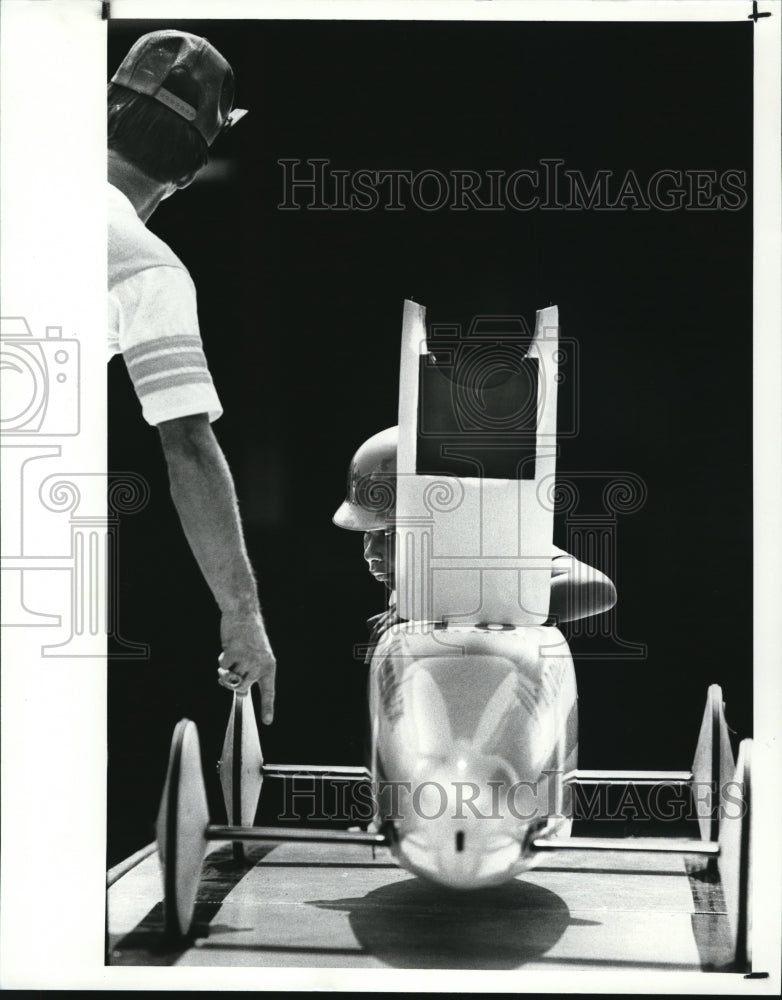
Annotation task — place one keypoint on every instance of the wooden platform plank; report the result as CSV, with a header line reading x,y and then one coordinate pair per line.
x,y
131,898
334,906
617,882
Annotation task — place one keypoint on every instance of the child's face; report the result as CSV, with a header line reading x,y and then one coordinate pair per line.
x,y
380,554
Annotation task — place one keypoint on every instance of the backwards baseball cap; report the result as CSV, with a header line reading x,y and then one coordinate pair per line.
x,y
185,73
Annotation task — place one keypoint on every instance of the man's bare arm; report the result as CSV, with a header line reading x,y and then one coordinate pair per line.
x,y
203,492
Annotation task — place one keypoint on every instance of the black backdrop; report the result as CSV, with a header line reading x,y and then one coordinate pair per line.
x,y
301,318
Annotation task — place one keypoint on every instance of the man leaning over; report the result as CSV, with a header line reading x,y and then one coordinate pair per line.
x,y
170,98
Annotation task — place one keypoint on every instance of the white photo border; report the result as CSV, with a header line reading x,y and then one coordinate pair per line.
x,y
53,709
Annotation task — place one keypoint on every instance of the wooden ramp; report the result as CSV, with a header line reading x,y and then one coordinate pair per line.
x,y
335,906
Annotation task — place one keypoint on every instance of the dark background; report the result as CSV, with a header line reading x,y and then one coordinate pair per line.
x,y
301,320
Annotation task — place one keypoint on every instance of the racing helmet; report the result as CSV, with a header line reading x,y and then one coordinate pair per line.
x,y
371,496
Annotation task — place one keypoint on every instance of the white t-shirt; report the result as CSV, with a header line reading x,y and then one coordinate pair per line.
x,y
153,320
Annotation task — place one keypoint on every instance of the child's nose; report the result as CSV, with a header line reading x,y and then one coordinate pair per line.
x,y
373,546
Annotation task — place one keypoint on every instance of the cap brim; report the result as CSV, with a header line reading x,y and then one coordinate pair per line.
x,y
355,519
236,116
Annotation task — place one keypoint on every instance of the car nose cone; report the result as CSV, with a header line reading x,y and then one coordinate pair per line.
x,y
458,831
463,858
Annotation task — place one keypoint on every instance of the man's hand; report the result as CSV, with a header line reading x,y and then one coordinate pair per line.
x,y
247,657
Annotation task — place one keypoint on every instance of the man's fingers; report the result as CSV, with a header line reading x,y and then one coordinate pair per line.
x,y
266,684
240,668
235,684
234,678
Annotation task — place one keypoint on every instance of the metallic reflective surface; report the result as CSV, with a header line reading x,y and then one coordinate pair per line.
x,y
473,729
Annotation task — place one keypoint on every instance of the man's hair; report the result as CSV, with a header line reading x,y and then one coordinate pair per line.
x,y
152,137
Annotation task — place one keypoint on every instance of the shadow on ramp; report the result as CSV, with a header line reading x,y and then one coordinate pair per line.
x,y
414,924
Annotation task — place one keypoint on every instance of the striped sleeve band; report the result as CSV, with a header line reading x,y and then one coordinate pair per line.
x,y
171,378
